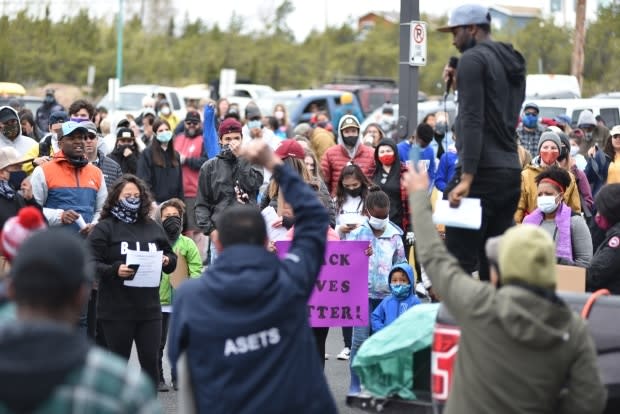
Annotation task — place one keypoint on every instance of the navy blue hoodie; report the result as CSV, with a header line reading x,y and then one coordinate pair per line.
x,y
244,324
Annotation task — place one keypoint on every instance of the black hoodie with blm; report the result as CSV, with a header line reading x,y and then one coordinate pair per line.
x,y
491,89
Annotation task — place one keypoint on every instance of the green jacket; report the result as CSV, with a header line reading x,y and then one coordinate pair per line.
x,y
518,352
184,246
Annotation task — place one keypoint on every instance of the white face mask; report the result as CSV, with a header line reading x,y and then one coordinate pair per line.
x,y
547,204
165,110
574,150
378,224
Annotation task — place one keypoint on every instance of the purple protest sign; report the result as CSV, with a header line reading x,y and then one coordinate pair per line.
x,y
340,296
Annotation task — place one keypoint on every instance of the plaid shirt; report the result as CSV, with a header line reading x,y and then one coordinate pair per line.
x,y
104,385
529,139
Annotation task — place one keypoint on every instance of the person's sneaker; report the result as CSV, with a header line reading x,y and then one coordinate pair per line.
x,y
175,385
344,354
163,387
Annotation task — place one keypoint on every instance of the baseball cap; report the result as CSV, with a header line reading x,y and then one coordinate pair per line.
x,y
124,133
229,125
349,121
531,105
9,156
90,126
58,117
466,15
193,116
615,130
290,148
563,119
70,126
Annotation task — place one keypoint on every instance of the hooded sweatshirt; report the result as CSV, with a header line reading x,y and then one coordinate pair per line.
x,y
491,87
518,352
337,157
244,325
391,307
21,143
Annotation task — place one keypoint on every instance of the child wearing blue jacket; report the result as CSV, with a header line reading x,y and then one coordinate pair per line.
x,y
402,285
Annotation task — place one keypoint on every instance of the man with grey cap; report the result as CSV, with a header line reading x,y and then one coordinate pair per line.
x,y
491,87
110,168
521,349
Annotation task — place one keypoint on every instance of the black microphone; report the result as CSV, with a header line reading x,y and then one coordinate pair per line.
x,y
453,63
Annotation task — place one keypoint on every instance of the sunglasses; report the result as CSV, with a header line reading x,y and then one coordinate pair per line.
x,y
91,137
191,122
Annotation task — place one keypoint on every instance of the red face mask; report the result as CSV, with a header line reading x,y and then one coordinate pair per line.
x,y
549,157
386,159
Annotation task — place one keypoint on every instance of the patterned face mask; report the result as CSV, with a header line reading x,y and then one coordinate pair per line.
x,y
126,209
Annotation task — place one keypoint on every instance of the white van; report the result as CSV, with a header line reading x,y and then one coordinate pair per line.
x,y
550,86
608,109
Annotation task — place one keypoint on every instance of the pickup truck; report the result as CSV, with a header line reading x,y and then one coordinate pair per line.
x,y
434,367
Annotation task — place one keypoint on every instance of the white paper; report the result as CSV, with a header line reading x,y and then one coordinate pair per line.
x,y
274,233
468,215
149,272
351,218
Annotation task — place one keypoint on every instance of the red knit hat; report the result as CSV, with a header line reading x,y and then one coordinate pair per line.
x,y
18,228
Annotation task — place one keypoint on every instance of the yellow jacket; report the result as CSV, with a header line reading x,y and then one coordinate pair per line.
x,y
172,119
33,152
529,192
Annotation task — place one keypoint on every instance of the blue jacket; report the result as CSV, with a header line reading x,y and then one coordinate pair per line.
x,y
209,133
244,325
429,154
403,150
445,170
597,169
391,308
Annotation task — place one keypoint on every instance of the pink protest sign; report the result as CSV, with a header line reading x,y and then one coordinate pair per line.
x,y
340,296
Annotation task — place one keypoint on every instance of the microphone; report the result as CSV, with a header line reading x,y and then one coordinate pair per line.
x,y
452,63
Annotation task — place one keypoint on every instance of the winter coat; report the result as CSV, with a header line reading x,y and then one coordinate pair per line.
x,y
184,246
597,169
519,352
604,270
391,307
164,182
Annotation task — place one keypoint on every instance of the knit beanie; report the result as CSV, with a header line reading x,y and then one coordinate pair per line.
x,y
527,254
18,228
607,202
549,136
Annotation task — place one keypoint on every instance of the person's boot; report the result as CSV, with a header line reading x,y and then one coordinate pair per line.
x,y
162,387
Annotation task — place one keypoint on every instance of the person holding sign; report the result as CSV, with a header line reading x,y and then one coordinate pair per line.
x,y
385,250
244,325
189,265
126,244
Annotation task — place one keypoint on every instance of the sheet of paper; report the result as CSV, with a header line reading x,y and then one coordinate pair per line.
x,y
274,233
468,215
351,218
149,272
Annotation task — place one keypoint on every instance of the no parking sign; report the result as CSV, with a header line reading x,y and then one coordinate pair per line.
x,y
417,44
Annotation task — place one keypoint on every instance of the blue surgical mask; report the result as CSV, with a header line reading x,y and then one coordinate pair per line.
x,y
164,136
378,224
574,150
255,124
400,291
530,121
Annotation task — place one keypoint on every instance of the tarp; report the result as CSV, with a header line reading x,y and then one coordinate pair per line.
x,y
384,363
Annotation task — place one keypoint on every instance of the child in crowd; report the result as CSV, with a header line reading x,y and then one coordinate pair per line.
x,y
171,214
402,284
423,136
385,250
447,166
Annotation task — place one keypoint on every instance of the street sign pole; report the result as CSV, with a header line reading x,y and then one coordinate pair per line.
x,y
408,74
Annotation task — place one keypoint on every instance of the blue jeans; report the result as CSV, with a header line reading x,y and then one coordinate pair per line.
x,y
360,334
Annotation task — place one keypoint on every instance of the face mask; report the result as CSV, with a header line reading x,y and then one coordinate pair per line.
x,y
530,121
227,153
400,291
173,226
126,209
574,150
378,224
279,115
369,140
588,136
355,192
350,141
441,128
122,148
164,136
602,222
16,178
549,157
165,111
322,124
49,99
78,119
386,159
547,204
255,124
11,131
6,190
387,119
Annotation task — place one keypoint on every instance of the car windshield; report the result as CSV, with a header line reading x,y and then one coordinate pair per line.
x,y
551,112
129,101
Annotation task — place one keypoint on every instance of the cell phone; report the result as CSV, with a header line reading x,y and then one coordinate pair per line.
x,y
134,267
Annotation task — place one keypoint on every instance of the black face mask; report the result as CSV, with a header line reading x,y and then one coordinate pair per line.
x,y
16,178
356,192
121,148
173,226
350,141
226,153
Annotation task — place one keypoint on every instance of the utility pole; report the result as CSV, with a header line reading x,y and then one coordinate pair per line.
x,y
579,42
408,75
119,43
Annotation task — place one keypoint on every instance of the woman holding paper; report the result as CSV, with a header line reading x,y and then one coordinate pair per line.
x,y
130,251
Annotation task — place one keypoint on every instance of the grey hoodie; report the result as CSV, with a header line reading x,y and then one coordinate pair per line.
x,y
519,352
22,143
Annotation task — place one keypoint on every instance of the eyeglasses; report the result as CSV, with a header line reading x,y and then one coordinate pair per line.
x,y
91,137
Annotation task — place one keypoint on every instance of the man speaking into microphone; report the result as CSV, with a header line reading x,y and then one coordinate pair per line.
x,y
490,81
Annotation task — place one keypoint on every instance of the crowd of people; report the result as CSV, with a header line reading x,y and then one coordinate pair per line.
x,y
187,194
